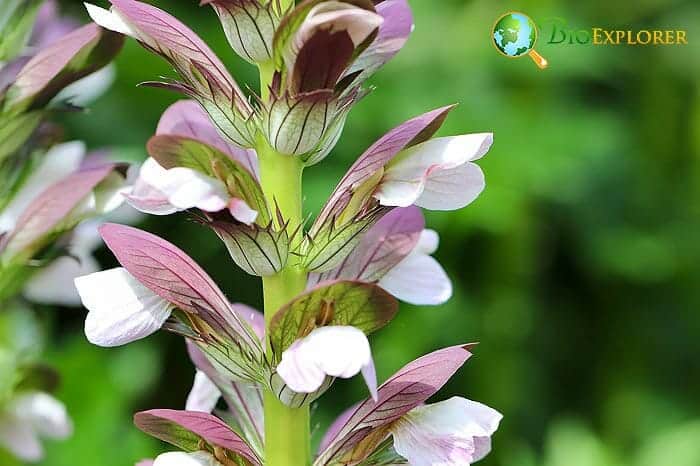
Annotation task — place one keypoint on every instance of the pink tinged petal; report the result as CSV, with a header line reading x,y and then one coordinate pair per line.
x,y
335,351
186,118
339,16
419,279
187,188
145,197
29,416
241,211
177,458
144,463
47,415
18,437
161,192
406,176
482,447
204,394
393,34
408,134
409,387
59,162
121,309
445,433
186,429
452,189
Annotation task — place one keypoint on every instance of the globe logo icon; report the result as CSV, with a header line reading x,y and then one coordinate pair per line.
x,y
515,35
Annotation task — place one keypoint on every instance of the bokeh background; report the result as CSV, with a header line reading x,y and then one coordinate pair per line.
x,y
578,269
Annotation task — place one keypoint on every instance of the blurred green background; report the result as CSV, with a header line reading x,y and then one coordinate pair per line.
x,y
578,269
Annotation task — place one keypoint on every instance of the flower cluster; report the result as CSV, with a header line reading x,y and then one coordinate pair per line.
x,y
48,191
235,164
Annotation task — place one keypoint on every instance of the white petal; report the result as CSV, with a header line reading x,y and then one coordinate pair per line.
x,y
60,161
428,242
18,436
122,310
187,188
338,16
449,433
198,458
88,89
108,194
109,20
54,283
336,351
146,198
409,174
46,414
418,279
452,189
161,192
241,211
204,394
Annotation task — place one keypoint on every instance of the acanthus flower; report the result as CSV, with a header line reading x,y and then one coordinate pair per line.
x,y
455,432
28,417
405,167
396,253
192,166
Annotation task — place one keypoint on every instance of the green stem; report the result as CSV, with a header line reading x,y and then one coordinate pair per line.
x,y
266,69
287,437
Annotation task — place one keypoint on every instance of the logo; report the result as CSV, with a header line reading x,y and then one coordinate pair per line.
x,y
515,35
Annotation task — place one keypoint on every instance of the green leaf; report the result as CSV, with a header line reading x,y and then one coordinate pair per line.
x,y
177,151
15,130
362,305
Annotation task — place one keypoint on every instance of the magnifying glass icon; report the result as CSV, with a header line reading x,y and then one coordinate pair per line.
x,y
515,35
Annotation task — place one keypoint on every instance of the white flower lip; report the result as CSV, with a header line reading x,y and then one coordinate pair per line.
x,y
121,309
454,432
204,394
27,418
419,278
438,174
334,351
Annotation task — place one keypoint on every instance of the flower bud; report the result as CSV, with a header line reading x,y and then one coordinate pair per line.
x,y
298,125
249,26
